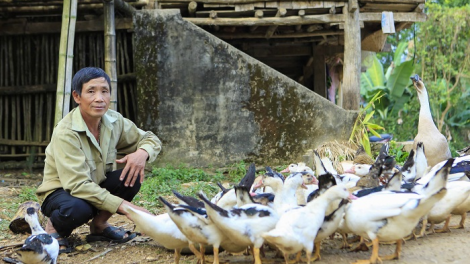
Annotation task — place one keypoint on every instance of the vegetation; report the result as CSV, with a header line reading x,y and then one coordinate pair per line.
x,y
439,51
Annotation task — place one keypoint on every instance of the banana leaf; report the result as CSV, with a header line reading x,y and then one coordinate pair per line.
x,y
400,79
376,73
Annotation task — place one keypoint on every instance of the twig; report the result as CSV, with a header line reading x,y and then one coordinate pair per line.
x,y
11,246
99,255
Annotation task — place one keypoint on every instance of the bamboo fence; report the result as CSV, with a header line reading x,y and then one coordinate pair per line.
x,y
28,76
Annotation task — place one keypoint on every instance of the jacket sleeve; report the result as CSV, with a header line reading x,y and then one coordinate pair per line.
x,y
133,138
74,174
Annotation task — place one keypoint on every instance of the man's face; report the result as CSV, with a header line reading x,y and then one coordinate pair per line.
x,y
95,98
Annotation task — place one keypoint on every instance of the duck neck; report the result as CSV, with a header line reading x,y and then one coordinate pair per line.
x,y
425,110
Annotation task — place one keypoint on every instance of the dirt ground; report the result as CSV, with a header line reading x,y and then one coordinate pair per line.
x,y
434,248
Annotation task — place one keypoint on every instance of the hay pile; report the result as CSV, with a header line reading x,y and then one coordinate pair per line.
x,y
337,152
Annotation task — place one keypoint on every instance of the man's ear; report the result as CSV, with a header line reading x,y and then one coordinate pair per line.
x,y
76,97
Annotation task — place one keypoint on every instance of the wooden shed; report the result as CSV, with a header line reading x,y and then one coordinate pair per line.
x,y
311,42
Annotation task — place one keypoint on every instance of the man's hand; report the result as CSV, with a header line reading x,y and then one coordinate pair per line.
x,y
135,165
125,204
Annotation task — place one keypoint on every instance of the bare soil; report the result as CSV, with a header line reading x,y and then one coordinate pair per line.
x,y
434,248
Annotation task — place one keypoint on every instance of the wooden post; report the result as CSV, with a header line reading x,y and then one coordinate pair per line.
x,y
319,71
64,75
352,60
258,14
280,13
110,50
192,6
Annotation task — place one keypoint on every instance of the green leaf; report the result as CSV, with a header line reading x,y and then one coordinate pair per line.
x,y
366,143
374,133
376,73
374,126
368,116
400,79
399,53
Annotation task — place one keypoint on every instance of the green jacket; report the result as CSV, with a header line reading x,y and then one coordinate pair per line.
x,y
78,164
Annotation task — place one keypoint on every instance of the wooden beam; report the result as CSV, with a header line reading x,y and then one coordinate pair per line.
x,y
352,60
192,7
267,21
21,28
239,2
30,89
258,14
352,6
298,20
397,17
281,12
9,142
278,36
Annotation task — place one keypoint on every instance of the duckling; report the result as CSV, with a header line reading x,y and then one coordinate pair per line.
x,y
437,147
161,229
361,157
297,229
390,216
40,247
244,225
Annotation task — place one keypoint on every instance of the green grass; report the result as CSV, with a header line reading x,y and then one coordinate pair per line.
x,y
185,180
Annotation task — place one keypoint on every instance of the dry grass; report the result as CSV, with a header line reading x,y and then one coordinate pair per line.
x,y
337,152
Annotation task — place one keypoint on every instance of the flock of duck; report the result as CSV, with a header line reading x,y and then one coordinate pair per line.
x,y
378,202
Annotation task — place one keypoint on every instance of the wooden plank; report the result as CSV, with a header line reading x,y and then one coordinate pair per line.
x,y
55,27
245,7
297,20
238,2
328,4
277,36
397,17
281,12
352,6
273,4
352,62
268,21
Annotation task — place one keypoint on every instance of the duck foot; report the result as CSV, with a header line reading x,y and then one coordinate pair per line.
x,y
461,225
395,255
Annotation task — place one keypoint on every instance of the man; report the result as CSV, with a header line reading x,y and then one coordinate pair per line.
x,y
79,182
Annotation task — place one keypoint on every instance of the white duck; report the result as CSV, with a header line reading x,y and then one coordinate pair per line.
x,y
161,229
301,193
437,148
227,198
243,225
40,247
297,229
284,192
457,193
194,224
391,216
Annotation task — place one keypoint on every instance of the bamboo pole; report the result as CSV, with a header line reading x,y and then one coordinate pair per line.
x,y
64,78
110,50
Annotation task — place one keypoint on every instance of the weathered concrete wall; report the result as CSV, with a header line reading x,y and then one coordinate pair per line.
x,y
211,104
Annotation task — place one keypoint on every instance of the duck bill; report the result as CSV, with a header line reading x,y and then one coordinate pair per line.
x,y
352,197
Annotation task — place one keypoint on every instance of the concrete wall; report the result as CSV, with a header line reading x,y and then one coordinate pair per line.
x,y
211,104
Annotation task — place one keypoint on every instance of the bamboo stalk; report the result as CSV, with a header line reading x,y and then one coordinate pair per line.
x,y
49,122
110,50
64,77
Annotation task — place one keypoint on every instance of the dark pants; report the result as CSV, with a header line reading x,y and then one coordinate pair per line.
x,y
67,212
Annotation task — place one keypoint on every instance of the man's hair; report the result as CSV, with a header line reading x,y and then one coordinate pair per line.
x,y
85,75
